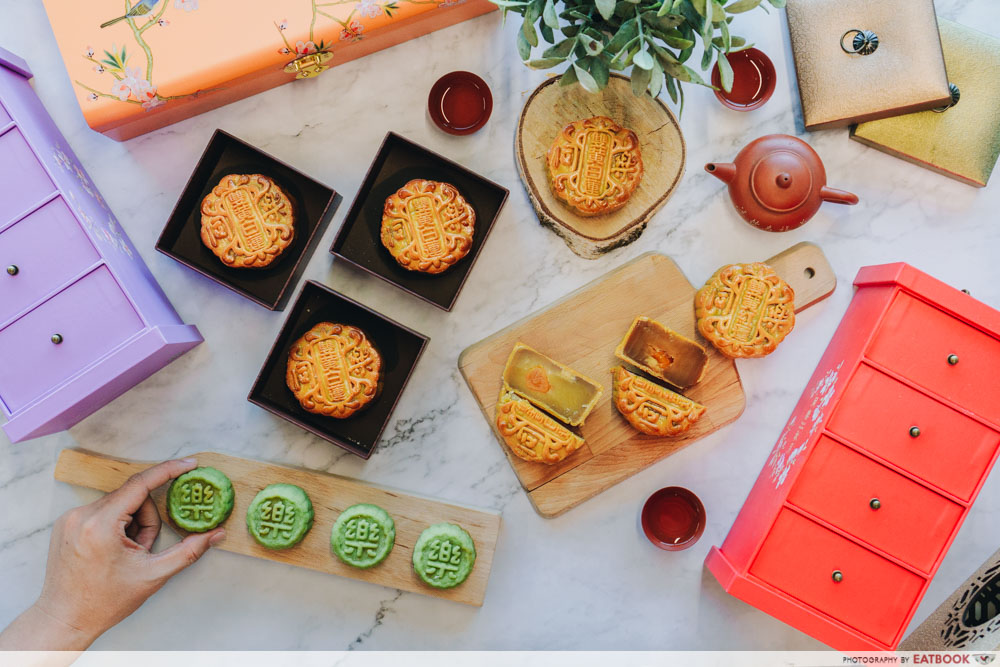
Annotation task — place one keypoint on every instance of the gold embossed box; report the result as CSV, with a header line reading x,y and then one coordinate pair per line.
x,y
859,60
962,142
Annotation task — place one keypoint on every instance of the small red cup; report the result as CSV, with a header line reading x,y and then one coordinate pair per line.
x,y
460,103
753,80
673,518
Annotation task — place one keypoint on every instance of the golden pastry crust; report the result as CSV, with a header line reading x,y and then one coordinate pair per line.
x,y
333,370
428,226
650,408
745,310
247,221
594,165
531,434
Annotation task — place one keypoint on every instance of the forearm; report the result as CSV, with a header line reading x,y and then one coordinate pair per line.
x,y
37,630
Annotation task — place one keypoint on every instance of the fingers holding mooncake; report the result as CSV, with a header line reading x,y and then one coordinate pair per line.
x,y
247,221
428,226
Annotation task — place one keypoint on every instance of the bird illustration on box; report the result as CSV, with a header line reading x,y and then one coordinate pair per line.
x,y
140,8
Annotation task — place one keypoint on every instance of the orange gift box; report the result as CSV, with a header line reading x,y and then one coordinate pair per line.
x,y
139,71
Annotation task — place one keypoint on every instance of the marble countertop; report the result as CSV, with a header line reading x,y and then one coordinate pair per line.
x,y
586,580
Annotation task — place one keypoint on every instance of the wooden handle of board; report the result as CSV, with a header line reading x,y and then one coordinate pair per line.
x,y
805,268
94,471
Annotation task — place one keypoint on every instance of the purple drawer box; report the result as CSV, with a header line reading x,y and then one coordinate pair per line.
x,y
82,320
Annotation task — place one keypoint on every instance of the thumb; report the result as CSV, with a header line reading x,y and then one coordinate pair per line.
x,y
186,552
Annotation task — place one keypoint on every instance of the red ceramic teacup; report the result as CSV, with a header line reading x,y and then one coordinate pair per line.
x,y
673,518
460,103
753,80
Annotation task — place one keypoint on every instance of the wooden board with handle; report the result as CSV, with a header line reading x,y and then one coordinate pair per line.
x,y
582,330
330,495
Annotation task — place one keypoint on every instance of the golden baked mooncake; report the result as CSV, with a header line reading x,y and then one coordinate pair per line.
x,y
556,388
334,370
427,226
594,165
531,434
247,221
650,408
745,310
663,353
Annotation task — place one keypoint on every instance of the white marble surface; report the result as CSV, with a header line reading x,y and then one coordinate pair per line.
x,y
587,580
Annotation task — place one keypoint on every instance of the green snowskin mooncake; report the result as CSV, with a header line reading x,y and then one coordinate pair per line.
x,y
444,555
280,516
199,500
363,535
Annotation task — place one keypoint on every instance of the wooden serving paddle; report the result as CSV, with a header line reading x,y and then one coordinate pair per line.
x,y
582,330
330,495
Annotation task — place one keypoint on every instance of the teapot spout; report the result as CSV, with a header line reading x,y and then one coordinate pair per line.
x,y
838,196
724,171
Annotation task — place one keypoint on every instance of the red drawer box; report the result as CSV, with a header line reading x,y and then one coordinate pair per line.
x,y
877,467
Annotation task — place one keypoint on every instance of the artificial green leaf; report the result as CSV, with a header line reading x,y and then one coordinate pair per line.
x,y
779,4
626,33
586,79
544,63
640,80
694,77
528,30
606,8
741,6
560,50
706,58
672,88
656,80
510,4
600,69
642,60
523,47
568,78
571,30
734,42
591,45
725,72
666,22
718,14
547,33
700,7
549,14
727,40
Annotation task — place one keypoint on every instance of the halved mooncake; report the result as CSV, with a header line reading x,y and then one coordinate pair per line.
x,y
663,353
650,408
552,386
531,434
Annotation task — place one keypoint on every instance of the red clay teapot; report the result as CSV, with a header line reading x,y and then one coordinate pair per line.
x,y
777,183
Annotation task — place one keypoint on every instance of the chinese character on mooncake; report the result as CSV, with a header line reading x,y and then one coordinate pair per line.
x,y
594,165
651,408
247,221
363,535
280,516
200,499
663,353
444,555
428,226
531,434
745,310
333,370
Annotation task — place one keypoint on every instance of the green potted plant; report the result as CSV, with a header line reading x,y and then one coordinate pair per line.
x,y
655,37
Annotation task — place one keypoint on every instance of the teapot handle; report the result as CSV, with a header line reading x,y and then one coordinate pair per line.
x,y
838,196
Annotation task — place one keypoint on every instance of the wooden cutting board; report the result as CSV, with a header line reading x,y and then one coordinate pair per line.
x,y
549,109
330,495
582,330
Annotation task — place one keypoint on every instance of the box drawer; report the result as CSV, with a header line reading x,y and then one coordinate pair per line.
x,y
43,251
92,316
948,450
25,181
800,557
875,504
919,342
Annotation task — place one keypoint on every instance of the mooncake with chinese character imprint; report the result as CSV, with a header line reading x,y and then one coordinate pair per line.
x,y
663,353
745,310
531,434
594,165
280,516
552,386
651,408
427,226
363,535
247,221
334,370
444,555
199,500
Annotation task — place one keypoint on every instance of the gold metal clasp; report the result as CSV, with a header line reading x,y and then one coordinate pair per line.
x,y
310,65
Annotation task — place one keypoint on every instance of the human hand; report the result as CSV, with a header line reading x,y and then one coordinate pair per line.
x,y
101,567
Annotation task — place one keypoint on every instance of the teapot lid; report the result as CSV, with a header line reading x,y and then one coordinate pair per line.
x,y
782,180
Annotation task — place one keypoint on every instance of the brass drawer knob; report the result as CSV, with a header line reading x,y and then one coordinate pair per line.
x,y
12,270
952,359
914,431
837,576
56,338
875,503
